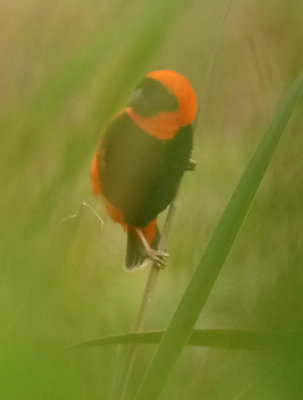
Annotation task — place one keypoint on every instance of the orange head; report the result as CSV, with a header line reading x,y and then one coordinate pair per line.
x,y
163,102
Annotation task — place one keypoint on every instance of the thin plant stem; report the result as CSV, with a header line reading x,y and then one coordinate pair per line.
x,y
78,215
147,296
201,102
154,270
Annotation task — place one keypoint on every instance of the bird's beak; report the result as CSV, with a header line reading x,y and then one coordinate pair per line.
x,y
135,97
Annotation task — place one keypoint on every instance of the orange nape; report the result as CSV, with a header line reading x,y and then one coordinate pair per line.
x,y
149,231
163,126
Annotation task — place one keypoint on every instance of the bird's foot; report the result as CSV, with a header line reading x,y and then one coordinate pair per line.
x,y
191,166
157,256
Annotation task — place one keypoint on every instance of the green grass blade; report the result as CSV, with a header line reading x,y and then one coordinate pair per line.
x,y
207,271
218,338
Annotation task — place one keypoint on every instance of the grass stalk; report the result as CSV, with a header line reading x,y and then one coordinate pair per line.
x,y
146,298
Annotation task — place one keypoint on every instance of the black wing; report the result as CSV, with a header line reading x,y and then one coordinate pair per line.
x,y
139,173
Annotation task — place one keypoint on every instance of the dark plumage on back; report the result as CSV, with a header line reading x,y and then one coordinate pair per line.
x,y
139,173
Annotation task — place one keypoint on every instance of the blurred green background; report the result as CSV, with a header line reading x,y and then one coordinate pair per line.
x,y
66,67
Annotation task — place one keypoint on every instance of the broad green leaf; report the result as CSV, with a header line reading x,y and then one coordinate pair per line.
x,y
208,269
218,338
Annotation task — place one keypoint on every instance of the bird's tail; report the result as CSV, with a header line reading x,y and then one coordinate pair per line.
x,y
136,255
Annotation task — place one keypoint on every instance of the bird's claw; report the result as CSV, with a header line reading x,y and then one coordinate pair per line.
x,y
191,166
157,256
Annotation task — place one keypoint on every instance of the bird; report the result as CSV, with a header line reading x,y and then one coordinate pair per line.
x,y
141,158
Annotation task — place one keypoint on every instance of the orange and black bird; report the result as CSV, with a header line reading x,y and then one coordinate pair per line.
x,y
141,158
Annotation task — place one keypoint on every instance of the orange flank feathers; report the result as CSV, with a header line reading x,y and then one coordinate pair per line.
x,y
94,176
143,154
116,215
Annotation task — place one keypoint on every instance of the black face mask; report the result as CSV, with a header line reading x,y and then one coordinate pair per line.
x,y
151,98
